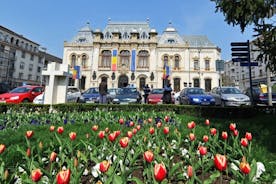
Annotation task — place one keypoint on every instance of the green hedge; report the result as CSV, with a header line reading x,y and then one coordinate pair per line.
x,y
201,111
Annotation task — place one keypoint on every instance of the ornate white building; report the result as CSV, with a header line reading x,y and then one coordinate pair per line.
x,y
133,53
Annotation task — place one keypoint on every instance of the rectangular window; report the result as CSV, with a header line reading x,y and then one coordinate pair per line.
x,y
196,65
30,77
207,65
22,65
31,67
20,76
23,54
32,57
39,69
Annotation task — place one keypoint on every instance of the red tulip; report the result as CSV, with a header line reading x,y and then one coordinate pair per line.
x,y
151,130
248,136
244,166
166,130
63,177
148,156
166,119
235,132
52,128
101,134
244,142
207,122
160,172
159,124
191,125
205,138
53,156
2,148
124,142
192,136
131,123
202,150
104,165
112,136
138,127
28,152
224,135
60,130
73,136
149,120
129,134
36,175
190,171
117,133
213,131
95,128
220,162
121,121
232,126
29,134
134,131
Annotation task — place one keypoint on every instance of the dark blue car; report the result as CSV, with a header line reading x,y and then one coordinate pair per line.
x,y
195,96
91,95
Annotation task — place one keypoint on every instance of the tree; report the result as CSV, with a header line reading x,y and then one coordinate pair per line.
x,y
260,13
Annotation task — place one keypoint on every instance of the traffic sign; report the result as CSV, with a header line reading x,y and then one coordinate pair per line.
x,y
239,44
240,59
239,49
247,64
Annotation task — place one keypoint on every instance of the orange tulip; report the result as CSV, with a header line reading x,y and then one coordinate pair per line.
x,y
129,134
205,138
2,148
148,156
192,136
95,128
190,171
29,134
52,128
36,175
160,172
104,165
63,177
244,166
53,156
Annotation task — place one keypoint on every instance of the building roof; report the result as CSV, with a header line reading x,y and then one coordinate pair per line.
x,y
198,41
85,35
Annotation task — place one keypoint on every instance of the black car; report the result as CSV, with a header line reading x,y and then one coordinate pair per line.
x,y
260,98
127,95
4,87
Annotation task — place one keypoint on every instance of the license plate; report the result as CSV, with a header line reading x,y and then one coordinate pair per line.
x,y
205,103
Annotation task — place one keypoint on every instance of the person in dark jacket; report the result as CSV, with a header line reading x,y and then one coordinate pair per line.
x,y
146,92
167,96
103,91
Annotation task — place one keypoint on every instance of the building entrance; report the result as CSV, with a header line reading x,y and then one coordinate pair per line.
x,y
122,81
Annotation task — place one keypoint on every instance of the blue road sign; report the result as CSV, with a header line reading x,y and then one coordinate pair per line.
x,y
247,64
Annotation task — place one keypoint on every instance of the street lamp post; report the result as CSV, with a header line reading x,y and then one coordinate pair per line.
x,y
43,49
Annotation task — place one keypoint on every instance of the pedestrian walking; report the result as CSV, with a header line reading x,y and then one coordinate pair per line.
x,y
167,96
146,92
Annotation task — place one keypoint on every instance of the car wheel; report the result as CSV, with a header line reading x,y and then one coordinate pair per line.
x,y
25,100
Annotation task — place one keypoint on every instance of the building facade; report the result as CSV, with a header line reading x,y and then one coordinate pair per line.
x,y
132,53
22,60
236,75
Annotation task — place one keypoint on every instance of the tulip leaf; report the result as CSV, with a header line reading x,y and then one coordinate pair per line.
x,y
253,171
174,168
212,178
136,180
117,179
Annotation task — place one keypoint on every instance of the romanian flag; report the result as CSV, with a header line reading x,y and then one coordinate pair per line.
x,y
114,60
166,70
76,72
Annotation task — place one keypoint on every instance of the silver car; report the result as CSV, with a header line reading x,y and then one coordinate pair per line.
x,y
230,96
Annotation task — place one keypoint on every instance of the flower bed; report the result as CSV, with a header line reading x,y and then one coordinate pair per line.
x,y
101,147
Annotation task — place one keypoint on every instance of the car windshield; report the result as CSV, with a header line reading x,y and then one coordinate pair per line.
x,y
21,90
230,91
157,91
92,91
195,91
124,91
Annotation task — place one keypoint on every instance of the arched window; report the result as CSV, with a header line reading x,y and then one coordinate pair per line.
x,y
106,59
12,40
176,61
83,61
166,60
107,35
143,58
125,35
124,58
144,35
73,61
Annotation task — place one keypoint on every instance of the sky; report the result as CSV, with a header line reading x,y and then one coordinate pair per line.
x,y
51,22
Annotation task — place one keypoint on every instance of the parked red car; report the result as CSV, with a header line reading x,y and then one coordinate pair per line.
x,y
155,96
21,94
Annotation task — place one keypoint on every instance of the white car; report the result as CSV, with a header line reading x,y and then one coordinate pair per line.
x,y
73,95
230,96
